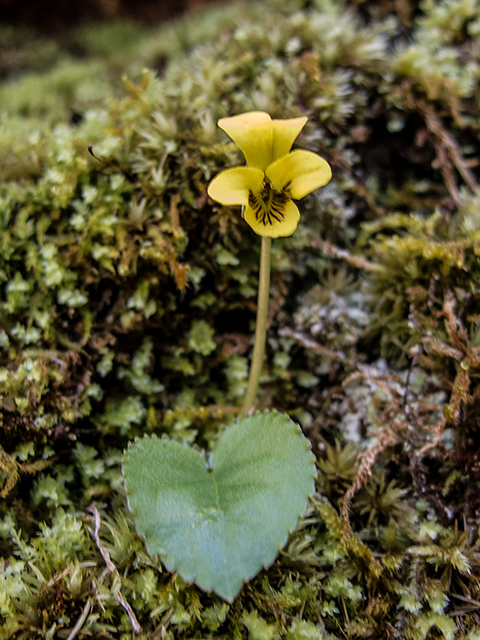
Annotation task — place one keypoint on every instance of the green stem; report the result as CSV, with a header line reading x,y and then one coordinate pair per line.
x,y
261,328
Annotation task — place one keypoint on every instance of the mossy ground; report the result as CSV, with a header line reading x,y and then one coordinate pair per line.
x,y
128,300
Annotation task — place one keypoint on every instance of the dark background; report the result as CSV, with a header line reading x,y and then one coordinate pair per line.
x,y
54,16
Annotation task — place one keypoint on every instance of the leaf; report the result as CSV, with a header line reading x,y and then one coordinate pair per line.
x,y
217,525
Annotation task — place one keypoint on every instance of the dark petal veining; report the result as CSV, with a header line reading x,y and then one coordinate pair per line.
x,y
269,205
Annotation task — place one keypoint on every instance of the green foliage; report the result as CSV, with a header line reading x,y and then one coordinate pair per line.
x,y
384,502
238,505
338,469
200,338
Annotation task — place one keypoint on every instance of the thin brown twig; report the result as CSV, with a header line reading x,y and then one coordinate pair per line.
x,y
435,346
457,334
342,254
387,438
450,145
466,357
81,620
137,629
383,382
67,570
446,148
308,343
11,468
433,444
14,469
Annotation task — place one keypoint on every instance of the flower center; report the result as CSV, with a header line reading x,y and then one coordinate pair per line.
x,y
268,205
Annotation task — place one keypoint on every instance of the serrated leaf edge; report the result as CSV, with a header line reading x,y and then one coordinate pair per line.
x,y
192,579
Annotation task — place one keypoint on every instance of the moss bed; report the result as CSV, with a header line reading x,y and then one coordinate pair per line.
x,y
128,301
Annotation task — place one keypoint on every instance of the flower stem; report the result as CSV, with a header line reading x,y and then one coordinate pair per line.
x,y
261,328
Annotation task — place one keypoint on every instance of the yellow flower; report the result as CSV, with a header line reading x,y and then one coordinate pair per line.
x,y
274,175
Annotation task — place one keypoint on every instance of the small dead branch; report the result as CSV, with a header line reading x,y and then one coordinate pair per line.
x,y
437,347
11,468
467,359
14,469
446,148
387,438
137,629
81,620
308,343
457,334
396,420
65,572
448,145
341,254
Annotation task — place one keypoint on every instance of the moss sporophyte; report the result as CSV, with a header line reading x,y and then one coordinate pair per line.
x,y
265,187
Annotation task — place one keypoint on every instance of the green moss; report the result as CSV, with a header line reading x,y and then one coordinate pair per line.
x,y
128,302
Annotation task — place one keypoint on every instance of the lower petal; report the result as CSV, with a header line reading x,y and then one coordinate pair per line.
x,y
272,224
233,186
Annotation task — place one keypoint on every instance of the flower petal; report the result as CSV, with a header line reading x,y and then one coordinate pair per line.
x,y
284,134
299,173
253,133
274,228
233,186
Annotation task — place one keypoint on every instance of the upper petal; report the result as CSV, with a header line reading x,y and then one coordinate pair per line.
x,y
232,186
284,134
299,173
253,132
273,227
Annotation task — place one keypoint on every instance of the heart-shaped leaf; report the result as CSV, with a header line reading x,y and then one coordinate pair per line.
x,y
218,524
